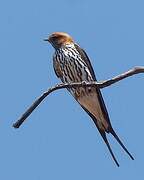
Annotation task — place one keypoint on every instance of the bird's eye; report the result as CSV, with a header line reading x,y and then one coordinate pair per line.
x,y
55,37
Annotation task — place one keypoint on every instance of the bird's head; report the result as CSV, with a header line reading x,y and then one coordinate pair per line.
x,y
58,39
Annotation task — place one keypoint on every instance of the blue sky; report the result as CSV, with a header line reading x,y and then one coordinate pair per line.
x,y
59,141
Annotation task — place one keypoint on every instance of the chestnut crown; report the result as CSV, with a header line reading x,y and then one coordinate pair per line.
x,y
58,39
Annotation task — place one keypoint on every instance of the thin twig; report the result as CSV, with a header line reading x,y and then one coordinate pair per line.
x,y
100,85
131,72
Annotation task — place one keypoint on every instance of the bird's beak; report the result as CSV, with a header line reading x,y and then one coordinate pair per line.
x,y
46,40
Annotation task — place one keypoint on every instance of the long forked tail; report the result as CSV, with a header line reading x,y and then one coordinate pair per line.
x,y
119,141
103,134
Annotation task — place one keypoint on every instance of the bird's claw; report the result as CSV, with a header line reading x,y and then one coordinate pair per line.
x,y
84,82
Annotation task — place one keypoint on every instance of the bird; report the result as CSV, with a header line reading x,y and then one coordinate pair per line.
x,y
72,64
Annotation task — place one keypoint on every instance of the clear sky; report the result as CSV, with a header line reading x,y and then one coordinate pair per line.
x,y
59,140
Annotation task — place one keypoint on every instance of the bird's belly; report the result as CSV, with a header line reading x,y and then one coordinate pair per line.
x,y
91,103
72,72
86,96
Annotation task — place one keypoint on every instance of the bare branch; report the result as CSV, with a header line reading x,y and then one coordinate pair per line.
x,y
131,72
100,85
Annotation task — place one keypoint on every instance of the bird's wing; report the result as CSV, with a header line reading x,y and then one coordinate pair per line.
x,y
103,107
86,59
57,68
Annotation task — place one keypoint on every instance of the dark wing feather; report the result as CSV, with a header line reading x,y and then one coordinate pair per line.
x,y
86,59
57,68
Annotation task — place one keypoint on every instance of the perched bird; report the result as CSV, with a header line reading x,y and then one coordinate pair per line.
x,y
71,64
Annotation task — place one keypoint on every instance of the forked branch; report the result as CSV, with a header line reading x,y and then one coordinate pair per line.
x,y
100,85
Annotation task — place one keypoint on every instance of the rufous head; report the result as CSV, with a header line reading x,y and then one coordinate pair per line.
x,y
58,39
